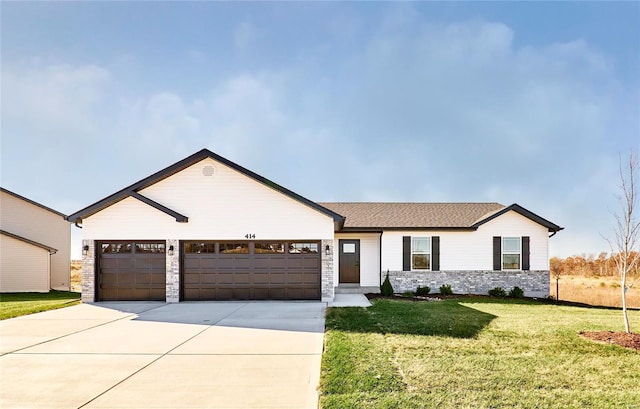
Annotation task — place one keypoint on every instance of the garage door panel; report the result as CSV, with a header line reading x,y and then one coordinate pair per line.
x,y
208,278
242,293
143,278
241,278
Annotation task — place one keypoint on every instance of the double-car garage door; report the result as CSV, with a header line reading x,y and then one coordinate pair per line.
x,y
251,270
211,270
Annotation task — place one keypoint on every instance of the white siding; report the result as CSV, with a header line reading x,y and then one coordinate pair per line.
x,y
42,226
226,206
473,250
24,267
369,257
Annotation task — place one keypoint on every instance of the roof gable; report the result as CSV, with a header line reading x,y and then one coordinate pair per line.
x,y
521,211
134,189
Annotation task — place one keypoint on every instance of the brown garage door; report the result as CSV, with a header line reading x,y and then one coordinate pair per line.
x,y
131,271
251,270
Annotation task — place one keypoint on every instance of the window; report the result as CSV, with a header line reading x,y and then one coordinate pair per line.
x,y
269,248
150,248
116,247
234,248
200,248
421,253
511,253
303,248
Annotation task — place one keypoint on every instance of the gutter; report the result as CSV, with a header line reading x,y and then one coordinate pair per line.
x,y
380,261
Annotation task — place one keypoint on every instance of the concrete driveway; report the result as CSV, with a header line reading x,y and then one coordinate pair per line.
x,y
157,355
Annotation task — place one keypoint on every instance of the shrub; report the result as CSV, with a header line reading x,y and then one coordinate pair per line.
x,y
516,292
386,288
408,294
497,292
445,289
422,291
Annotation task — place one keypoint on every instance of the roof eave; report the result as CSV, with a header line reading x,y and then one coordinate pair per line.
x,y
50,249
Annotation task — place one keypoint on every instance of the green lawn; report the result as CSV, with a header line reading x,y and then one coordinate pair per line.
x,y
17,304
475,353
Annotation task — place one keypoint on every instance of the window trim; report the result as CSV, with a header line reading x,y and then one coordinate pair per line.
x,y
429,252
503,253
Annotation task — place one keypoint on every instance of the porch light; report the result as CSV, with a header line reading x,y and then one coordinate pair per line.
x,y
171,250
327,250
85,249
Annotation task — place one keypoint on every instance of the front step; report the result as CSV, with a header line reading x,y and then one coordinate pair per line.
x,y
355,289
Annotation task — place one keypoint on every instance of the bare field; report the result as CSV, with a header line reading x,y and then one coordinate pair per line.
x,y
76,275
603,291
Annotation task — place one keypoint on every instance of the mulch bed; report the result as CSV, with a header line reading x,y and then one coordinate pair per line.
x,y
623,339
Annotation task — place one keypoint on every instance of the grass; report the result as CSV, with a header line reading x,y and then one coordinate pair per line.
x,y
475,353
17,304
603,291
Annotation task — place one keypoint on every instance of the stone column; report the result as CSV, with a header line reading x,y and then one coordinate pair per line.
x,y
327,271
88,272
173,271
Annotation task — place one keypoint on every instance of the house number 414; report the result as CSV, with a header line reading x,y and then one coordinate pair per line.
x,y
249,236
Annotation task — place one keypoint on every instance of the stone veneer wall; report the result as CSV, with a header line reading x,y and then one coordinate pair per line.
x,y
88,272
173,271
535,283
327,271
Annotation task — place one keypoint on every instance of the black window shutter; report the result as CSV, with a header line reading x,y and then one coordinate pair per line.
x,y
406,253
525,253
497,253
435,253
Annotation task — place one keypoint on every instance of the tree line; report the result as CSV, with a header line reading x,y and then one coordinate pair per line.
x,y
588,265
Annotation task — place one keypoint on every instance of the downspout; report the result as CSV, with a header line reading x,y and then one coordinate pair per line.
x,y
76,223
554,233
380,261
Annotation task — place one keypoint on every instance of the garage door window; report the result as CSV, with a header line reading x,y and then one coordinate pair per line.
x,y
269,248
150,247
198,248
303,248
116,248
234,248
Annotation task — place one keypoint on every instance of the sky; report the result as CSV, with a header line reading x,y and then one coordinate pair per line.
x,y
513,102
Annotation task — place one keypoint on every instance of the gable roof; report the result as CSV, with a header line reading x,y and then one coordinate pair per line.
x,y
132,190
523,212
32,202
51,250
428,216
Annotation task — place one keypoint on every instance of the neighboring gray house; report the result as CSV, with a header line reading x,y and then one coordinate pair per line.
x,y
206,228
35,246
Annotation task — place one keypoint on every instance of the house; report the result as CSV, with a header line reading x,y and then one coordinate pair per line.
x,y
206,228
35,246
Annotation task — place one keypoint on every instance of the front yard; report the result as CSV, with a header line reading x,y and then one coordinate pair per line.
x,y
476,353
17,304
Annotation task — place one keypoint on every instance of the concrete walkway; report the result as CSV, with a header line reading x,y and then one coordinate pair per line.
x,y
350,300
157,355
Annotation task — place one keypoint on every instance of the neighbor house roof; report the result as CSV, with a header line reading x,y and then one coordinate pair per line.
x,y
32,202
33,243
134,189
464,216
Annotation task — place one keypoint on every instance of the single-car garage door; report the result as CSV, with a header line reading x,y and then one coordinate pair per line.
x,y
131,271
251,270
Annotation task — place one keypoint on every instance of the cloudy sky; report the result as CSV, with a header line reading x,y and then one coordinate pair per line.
x,y
510,102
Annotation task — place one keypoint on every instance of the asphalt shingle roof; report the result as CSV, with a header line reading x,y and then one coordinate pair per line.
x,y
412,215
